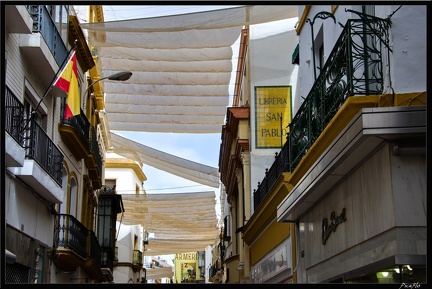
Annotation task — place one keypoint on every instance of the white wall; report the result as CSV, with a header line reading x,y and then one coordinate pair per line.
x,y
270,51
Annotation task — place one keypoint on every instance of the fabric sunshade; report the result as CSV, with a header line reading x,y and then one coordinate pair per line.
x,y
181,67
186,169
180,222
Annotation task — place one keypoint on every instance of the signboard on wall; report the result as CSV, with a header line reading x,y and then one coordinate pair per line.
x,y
272,115
274,263
186,267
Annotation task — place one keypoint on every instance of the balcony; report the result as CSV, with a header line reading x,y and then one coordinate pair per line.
x,y
354,68
228,163
280,165
215,272
80,137
43,162
14,126
44,46
75,133
76,246
94,161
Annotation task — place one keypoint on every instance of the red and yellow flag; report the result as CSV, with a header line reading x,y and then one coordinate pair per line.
x,y
68,82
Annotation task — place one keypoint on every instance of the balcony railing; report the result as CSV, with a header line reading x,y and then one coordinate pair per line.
x,y
44,24
14,116
214,269
94,251
354,67
70,234
82,126
94,148
280,165
137,257
42,149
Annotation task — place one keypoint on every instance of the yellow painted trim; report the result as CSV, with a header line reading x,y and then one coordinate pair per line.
x,y
78,193
275,234
303,18
409,99
126,164
266,212
334,8
345,114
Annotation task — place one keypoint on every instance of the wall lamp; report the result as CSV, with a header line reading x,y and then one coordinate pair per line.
x,y
119,76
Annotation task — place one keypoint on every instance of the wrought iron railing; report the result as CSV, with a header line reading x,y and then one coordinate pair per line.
x,y
14,116
70,234
280,165
44,24
137,257
42,149
95,250
214,269
354,67
94,148
82,126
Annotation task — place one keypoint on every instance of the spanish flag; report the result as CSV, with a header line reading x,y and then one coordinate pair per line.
x,y
68,82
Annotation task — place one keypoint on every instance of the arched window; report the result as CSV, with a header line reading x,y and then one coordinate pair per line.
x,y
73,197
62,206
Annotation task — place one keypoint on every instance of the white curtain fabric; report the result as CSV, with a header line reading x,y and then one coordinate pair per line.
x,y
181,67
196,172
180,222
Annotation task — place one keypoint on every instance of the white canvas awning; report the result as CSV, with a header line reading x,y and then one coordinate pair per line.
x,y
181,67
181,167
180,222
159,273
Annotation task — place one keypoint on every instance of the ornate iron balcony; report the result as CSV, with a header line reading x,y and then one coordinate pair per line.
x,y
354,67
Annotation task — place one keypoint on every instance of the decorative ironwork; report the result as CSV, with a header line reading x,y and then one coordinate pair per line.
x,y
71,234
322,15
280,165
354,67
42,149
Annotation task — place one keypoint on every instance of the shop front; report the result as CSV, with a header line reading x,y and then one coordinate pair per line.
x,y
360,211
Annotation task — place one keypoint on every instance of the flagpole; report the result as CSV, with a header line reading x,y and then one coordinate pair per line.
x,y
50,86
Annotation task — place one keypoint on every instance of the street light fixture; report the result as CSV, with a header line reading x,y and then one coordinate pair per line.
x,y
119,76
